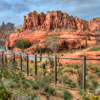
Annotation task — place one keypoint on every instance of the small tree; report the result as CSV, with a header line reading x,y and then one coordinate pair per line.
x,y
36,43
52,42
22,44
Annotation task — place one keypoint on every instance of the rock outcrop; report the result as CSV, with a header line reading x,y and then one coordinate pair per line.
x,y
6,28
94,24
54,20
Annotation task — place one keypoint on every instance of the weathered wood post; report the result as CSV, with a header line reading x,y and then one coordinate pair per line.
x,y
2,59
40,54
35,65
84,74
21,60
8,43
6,61
14,61
14,57
27,65
44,68
58,59
55,66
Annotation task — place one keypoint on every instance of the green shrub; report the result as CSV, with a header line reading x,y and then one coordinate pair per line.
x,y
65,79
60,64
72,85
86,44
38,84
4,94
97,69
26,85
67,95
90,77
95,49
91,87
22,44
81,92
95,83
35,86
98,74
69,81
68,70
50,90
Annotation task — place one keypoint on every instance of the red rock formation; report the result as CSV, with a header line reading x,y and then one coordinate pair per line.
x,y
83,30
94,24
81,24
53,20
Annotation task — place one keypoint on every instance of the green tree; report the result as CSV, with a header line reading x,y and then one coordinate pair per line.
x,y
22,44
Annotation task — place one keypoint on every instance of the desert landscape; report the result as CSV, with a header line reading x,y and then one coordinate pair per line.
x,y
49,55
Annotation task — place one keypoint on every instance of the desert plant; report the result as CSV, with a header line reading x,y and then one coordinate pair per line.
x,y
4,94
47,97
95,83
22,44
69,81
44,69
90,87
86,44
94,49
98,74
67,95
52,42
50,90
85,95
80,47
72,85
80,78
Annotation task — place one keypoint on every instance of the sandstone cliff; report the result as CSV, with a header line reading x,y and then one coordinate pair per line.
x,y
53,20
57,19
72,30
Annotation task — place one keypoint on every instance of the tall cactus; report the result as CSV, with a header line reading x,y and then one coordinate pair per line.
x,y
86,44
80,47
40,54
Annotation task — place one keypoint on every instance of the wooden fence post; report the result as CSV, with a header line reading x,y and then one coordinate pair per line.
x,y
27,65
2,59
14,57
55,66
14,62
40,54
21,60
6,61
35,65
84,74
44,68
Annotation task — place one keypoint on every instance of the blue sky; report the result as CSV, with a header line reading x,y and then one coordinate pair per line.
x,y
14,10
